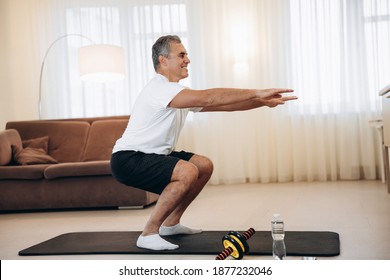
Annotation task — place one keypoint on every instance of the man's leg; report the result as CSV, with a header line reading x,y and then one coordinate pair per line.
x,y
184,175
205,170
188,179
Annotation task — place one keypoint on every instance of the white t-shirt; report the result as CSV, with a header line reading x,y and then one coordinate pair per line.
x,y
153,126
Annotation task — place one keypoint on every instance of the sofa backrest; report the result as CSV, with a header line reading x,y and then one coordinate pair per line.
x,y
66,139
102,137
94,119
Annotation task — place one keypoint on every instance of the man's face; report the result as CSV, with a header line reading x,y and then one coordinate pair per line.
x,y
177,62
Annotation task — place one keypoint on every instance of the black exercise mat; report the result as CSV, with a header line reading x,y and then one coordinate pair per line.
x,y
298,243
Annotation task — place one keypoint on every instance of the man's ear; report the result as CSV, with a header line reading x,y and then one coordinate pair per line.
x,y
163,60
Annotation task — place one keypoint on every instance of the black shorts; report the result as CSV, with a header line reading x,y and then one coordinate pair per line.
x,y
149,172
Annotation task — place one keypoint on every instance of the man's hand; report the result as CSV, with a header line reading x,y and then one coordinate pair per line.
x,y
273,97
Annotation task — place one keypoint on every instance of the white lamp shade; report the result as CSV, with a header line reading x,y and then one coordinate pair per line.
x,y
101,63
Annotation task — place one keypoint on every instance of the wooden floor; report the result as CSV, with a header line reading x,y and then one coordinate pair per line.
x,y
358,210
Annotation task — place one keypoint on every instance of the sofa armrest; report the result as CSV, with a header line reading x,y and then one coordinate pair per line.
x,y
77,169
8,138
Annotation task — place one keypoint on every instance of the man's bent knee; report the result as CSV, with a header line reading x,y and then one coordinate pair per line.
x,y
185,172
204,164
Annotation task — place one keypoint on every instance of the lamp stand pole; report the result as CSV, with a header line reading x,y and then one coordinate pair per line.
x,y
43,64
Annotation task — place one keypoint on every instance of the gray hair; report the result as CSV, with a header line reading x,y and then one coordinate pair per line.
x,y
163,47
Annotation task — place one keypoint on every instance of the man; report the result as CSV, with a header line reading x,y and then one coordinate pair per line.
x,y
144,156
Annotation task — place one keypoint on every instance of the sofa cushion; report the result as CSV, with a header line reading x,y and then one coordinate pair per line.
x,y
30,156
77,169
37,143
22,172
8,138
102,137
67,139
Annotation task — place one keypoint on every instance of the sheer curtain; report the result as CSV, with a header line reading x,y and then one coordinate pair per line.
x,y
331,52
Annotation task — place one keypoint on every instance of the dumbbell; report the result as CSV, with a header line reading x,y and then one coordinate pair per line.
x,y
235,244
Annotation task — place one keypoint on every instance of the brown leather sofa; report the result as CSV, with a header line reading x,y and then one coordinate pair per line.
x,y
77,174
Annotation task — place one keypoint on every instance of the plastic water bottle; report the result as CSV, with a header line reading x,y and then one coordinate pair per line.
x,y
278,247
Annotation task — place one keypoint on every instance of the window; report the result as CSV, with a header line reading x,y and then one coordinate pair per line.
x,y
377,31
337,53
129,24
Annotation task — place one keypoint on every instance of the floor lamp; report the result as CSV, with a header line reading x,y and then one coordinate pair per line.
x,y
97,63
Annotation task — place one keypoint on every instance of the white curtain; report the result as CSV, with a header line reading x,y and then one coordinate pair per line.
x,y
322,49
335,54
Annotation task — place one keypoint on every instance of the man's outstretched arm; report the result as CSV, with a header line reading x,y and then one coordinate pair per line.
x,y
230,99
249,105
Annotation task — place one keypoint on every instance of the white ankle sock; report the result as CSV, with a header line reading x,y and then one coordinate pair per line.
x,y
155,242
177,229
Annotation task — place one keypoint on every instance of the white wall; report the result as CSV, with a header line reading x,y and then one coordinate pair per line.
x,y
19,63
5,97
